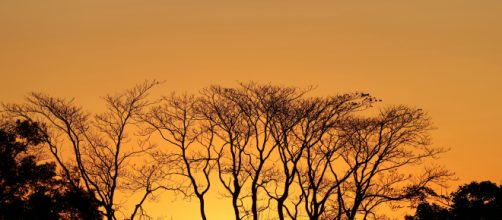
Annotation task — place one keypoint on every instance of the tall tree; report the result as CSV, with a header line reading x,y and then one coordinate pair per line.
x,y
378,149
100,147
320,173
261,105
178,121
234,134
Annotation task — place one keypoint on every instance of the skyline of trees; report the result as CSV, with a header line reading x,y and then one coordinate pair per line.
x,y
268,147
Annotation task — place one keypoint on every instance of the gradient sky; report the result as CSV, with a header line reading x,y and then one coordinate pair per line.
x,y
442,56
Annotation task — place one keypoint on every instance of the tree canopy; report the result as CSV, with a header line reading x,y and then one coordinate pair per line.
x,y
31,189
476,200
267,148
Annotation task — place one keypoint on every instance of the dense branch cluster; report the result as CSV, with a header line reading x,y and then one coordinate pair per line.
x,y
267,147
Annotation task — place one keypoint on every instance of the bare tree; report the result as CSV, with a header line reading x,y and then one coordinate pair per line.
x,y
179,123
260,125
247,113
262,105
234,133
319,174
100,146
290,151
377,150
320,157
295,128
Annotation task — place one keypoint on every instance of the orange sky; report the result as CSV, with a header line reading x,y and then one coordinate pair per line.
x,y
442,56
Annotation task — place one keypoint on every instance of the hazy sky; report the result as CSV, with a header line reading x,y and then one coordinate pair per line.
x,y
442,56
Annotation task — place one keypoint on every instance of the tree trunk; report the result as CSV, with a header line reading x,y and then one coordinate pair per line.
x,y
254,206
109,213
202,211
280,211
236,207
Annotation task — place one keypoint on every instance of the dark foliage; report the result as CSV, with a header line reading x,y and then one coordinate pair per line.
x,y
427,211
32,190
474,201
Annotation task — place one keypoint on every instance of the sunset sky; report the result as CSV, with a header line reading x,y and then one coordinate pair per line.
x,y
442,56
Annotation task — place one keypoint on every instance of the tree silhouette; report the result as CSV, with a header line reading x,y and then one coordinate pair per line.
x,y
32,190
478,201
427,211
231,128
475,200
95,150
322,173
376,149
178,121
269,147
